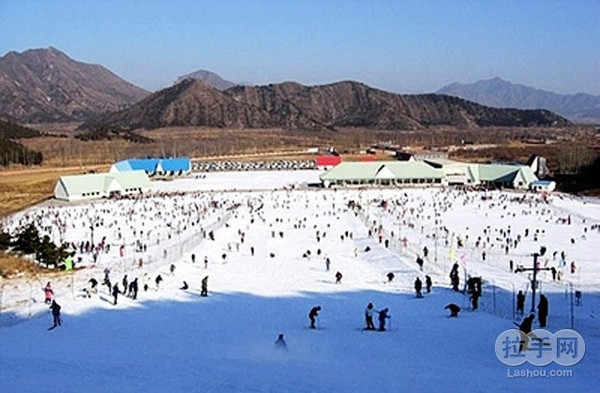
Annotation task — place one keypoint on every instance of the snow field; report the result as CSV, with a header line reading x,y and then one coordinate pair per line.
x,y
173,340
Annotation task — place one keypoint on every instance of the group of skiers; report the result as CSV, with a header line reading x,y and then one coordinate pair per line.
x,y
383,316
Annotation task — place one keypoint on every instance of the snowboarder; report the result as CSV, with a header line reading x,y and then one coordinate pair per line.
x,y
418,287
184,286
454,310
280,342
338,278
204,291
428,284
543,310
312,315
383,315
55,307
115,293
369,317
48,293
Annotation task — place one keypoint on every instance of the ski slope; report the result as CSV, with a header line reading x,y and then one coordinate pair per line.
x,y
177,341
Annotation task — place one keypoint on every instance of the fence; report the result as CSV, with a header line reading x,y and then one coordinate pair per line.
x,y
22,298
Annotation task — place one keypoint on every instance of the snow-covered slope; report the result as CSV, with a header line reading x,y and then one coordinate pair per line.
x,y
177,341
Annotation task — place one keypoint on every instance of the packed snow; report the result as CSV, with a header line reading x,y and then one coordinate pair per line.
x,y
271,248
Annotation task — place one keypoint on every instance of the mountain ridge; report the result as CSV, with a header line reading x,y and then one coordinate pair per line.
x,y
292,105
46,85
499,93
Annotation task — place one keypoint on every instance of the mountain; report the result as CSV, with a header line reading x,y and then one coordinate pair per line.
x,y
45,85
209,78
496,92
291,105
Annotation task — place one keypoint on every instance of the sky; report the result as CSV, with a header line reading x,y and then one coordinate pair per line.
x,y
409,46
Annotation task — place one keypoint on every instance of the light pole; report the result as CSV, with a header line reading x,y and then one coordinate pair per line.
x,y
535,269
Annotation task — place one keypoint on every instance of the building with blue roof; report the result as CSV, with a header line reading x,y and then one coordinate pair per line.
x,y
155,166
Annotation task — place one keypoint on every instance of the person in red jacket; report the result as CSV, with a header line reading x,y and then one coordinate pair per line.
x,y
48,293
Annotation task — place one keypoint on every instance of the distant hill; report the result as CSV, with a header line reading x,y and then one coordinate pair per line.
x,y
291,105
496,92
209,78
45,85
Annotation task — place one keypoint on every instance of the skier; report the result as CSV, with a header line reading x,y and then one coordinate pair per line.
x,y
526,324
280,343
133,289
338,278
48,293
184,286
428,284
172,269
420,262
206,262
158,280
55,307
454,310
390,276
312,315
327,264
475,299
369,317
454,277
520,303
418,287
525,328
193,258
125,285
543,310
115,293
383,315
204,291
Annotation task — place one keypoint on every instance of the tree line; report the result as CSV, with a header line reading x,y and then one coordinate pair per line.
x,y
12,152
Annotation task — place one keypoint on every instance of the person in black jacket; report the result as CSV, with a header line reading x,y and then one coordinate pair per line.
x,y
204,291
454,310
312,315
418,287
520,303
115,293
543,310
55,307
428,284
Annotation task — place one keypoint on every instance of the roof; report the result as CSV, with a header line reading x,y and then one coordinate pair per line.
x,y
79,184
176,164
102,182
382,170
150,165
504,173
133,179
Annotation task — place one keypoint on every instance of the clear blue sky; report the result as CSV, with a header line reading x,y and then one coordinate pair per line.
x,y
405,46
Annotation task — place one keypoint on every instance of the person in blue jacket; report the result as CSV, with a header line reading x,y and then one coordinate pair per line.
x,y
383,315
